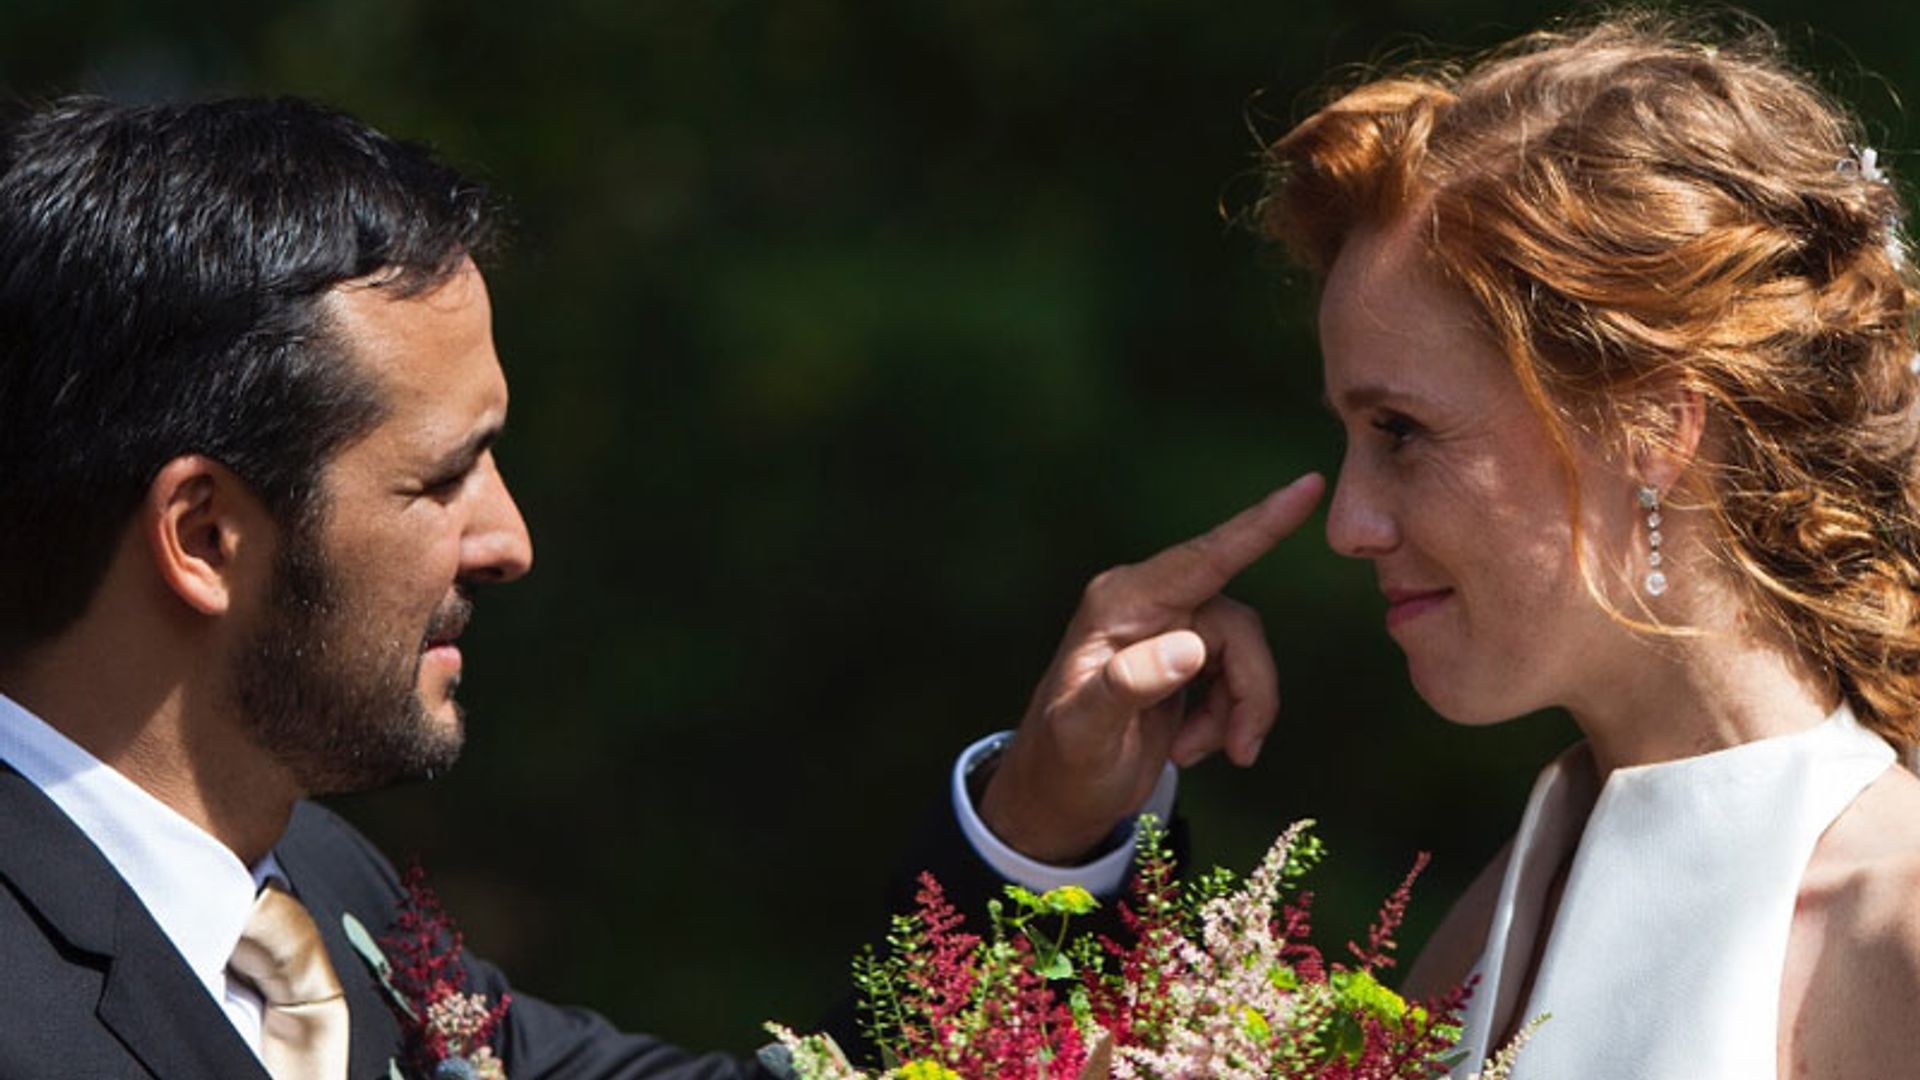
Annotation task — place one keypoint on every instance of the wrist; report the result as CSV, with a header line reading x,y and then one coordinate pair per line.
x,y
1007,799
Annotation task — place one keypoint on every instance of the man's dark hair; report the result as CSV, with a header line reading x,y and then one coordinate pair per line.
x,y
162,270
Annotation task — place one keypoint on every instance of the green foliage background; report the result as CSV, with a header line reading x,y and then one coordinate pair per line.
x,y
848,338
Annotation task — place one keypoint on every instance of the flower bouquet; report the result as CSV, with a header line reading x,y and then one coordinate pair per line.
x,y
1217,981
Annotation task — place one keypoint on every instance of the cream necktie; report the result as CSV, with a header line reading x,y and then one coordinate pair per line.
x,y
304,1023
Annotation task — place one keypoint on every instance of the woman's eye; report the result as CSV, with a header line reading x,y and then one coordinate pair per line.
x,y
1398,429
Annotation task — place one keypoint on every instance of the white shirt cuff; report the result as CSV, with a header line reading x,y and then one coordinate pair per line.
x,y
1103,876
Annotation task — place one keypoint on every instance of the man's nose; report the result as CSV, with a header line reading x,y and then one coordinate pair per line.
x,y
497,547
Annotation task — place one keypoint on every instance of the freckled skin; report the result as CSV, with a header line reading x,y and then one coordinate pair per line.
x,y
1450,486
1450,482
1851,987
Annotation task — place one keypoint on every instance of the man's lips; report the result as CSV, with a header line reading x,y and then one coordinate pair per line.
x,y
448,623
1405,604
444,641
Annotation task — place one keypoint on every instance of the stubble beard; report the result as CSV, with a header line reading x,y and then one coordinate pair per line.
x,y
331,701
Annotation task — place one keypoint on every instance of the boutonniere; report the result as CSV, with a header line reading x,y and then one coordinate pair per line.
x,y
447,1029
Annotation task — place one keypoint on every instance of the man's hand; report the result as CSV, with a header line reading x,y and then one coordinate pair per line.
x,y
1115,705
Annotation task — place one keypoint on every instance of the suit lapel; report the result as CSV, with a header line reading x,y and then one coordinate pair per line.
x,y
165,1015
150,1000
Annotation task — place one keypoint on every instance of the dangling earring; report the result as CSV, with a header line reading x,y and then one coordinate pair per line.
x,y
1656,581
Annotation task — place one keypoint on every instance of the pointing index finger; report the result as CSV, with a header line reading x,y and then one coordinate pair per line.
x,y
1189,573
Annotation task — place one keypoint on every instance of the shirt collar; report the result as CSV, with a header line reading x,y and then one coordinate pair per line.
x,y
197,890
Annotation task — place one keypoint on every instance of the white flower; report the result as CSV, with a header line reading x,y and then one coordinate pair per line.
x,y
1866,162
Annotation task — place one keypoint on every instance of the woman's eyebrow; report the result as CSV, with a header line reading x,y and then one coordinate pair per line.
x,y
1366,396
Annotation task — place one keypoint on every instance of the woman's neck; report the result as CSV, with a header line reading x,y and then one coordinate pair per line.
x,y
1692,695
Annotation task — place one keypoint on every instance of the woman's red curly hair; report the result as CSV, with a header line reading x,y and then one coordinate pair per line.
x,y
1634,204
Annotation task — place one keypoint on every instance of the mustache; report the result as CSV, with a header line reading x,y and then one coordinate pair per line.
x,y
450,619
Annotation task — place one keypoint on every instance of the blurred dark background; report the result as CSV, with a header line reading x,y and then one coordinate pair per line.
x,y
848,338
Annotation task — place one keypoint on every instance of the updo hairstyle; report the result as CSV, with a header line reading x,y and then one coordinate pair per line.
x,y
1633,206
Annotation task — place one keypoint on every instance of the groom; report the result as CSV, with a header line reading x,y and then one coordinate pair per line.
x,y
248,395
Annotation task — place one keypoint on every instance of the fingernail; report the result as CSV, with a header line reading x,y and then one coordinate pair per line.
x,y
1304,478
1182,654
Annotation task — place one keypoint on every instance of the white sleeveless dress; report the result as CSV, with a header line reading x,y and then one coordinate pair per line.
x,y
1665,960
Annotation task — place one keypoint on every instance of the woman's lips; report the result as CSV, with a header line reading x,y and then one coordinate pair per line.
x,y
1405,604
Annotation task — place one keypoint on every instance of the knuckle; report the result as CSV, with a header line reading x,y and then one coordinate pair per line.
x,y
1129,672
1239,611
1252,625
1235,610
1106,585
1232,615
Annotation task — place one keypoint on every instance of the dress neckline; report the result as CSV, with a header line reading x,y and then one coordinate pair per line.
x,y
1665,957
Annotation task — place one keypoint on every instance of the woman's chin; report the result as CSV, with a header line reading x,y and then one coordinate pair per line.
x,y
1445,693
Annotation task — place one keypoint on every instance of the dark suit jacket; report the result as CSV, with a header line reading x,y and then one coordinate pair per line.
x,y
91,989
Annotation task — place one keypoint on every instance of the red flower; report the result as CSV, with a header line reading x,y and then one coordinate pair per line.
x,y
445,1020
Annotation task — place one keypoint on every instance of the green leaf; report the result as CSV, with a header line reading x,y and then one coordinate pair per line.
x,y
1306,853
1345,1036
777,1059
1067,900
1254,1024
1359,991
1080,1005
364,944
1024,897
369,950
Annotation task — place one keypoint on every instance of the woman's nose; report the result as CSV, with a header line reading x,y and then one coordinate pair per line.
x,y
1359,523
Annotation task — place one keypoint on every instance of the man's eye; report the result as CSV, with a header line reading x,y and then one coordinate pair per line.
x,y
445,487
1398,429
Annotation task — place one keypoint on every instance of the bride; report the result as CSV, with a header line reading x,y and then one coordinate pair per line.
x,y
1620,329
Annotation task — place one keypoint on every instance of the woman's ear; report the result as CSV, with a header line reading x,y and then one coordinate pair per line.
x,y
1664,461
201,524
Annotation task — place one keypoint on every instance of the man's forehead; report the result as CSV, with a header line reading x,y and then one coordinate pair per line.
x,y
392,330
431,358
384,293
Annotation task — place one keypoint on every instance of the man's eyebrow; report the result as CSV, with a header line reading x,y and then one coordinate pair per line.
x,y
462,457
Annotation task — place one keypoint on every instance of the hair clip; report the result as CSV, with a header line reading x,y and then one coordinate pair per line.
x,y
1865,160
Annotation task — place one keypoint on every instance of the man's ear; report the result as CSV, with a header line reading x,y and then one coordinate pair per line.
x,y
1662,464
204,529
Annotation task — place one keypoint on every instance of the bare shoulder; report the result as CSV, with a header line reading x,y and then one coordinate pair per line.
x,y
1867,868
1450,953
1852,985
